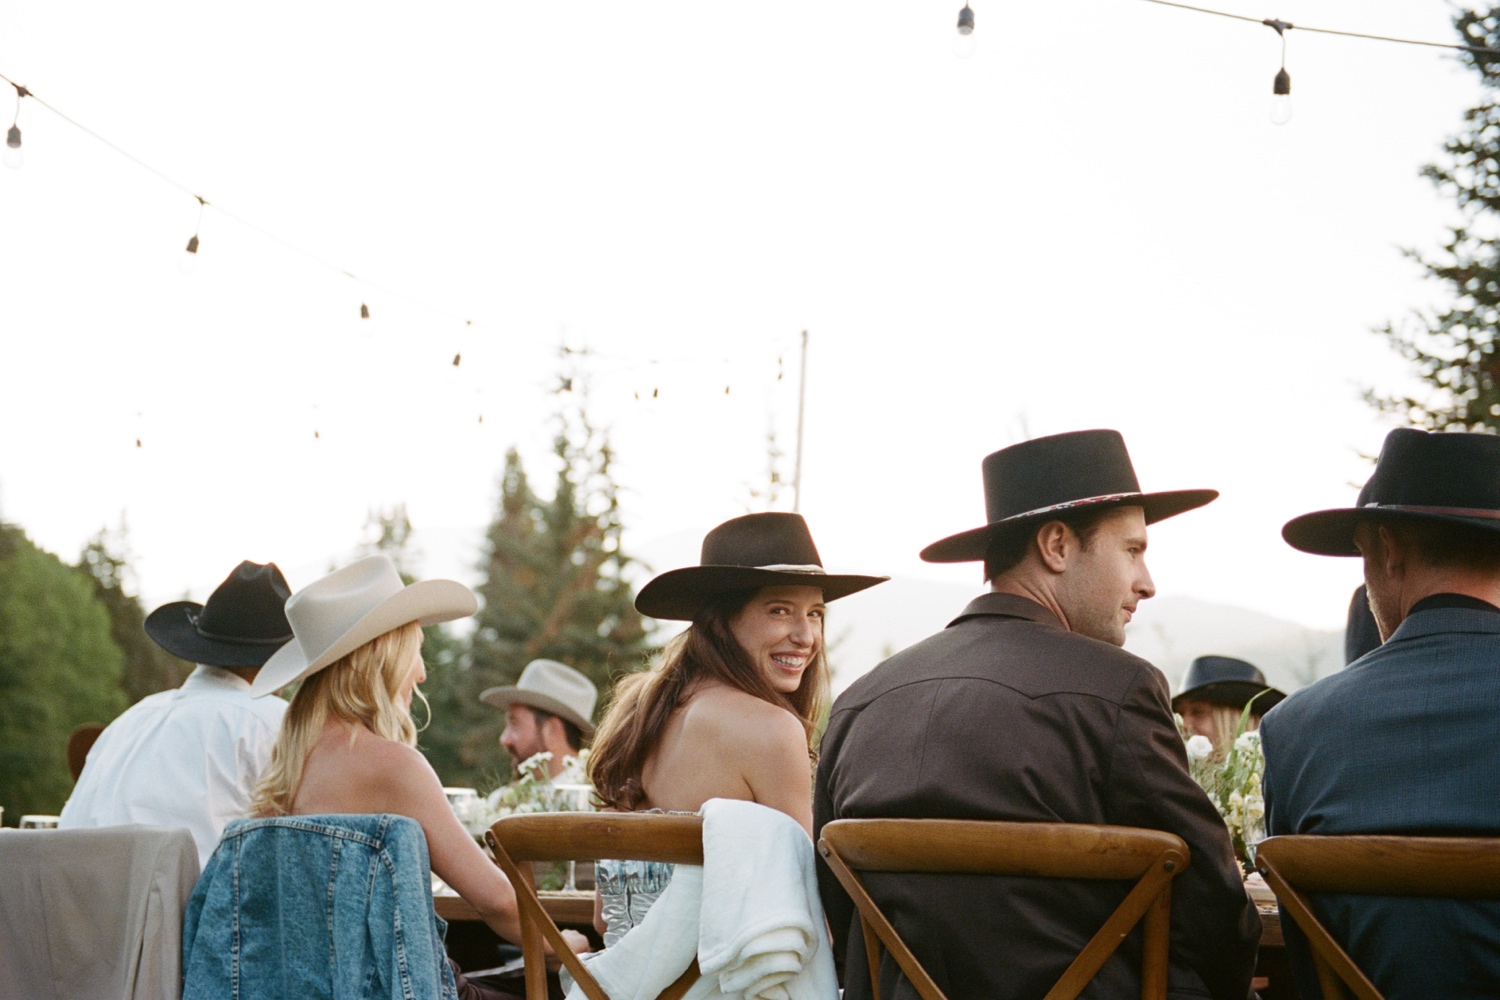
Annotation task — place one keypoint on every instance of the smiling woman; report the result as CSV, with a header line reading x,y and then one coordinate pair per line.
x,y
730,710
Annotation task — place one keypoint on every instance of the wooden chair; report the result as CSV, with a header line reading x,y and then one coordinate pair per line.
x,y
584,836
80,742
1449,867
1044,850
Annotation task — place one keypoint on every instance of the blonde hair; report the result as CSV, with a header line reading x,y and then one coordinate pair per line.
x,y
362,688
1226,723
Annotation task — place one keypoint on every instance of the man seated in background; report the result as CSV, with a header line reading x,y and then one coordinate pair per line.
x,y
550,709
1403,740
191,757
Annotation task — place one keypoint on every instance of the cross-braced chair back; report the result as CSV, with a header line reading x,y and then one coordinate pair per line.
x,y
582,836
1442,867
1045,850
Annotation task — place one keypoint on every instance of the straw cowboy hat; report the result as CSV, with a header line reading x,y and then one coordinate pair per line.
x,y
1046,478
552,687
1447,478
747,553
240,625
347,608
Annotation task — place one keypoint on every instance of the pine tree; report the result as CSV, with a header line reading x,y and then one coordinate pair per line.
x,y
58,669
148,668
1455,351
554,587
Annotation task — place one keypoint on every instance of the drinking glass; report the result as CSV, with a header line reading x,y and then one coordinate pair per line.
x,y
576,797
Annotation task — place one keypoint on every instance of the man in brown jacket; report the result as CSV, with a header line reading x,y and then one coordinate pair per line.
x,y
1026,708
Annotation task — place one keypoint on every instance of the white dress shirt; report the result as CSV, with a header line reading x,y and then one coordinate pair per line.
x,y
189,757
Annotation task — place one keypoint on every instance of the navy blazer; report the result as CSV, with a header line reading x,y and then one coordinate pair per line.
x,y
1406,740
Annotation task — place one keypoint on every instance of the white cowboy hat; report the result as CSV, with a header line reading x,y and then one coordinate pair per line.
x,y
336,615
553,687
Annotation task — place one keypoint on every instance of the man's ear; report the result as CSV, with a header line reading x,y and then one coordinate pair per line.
x,y
1053,544
1393,552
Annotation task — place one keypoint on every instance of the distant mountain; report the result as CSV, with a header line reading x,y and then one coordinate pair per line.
x,y
1169,631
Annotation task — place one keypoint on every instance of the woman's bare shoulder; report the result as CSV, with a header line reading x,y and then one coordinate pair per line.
x,y
735,715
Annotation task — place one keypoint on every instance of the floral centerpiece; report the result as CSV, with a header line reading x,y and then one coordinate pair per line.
x,y
536,791
1232,779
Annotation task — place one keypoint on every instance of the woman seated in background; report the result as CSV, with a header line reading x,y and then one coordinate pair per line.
x,y
1215,691
730,709
348,742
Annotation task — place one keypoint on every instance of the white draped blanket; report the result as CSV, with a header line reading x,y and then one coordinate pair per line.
x,y
750,915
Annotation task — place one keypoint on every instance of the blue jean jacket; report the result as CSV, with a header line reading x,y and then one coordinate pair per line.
x,y
336,907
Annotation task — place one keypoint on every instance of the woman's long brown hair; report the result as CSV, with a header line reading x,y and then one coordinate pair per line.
x,y
645,701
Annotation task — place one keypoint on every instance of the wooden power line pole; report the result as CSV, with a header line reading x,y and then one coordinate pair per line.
x,y
801,416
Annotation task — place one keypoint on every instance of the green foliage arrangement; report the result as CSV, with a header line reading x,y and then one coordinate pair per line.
x,y
1232,779
1454,351
59,668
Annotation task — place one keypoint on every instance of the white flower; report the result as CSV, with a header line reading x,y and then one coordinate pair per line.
x,y
1255,807
1248,741
1199,747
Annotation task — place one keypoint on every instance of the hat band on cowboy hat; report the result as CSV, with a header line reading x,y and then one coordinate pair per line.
x,y
240,625
1048,477
772,549
1451,478
336,615
551,687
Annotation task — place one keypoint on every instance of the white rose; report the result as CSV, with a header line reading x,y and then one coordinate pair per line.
x,y
1255,807
1248,741
1199,747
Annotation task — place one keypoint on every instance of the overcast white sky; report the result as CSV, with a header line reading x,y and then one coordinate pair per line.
x,y
1091,222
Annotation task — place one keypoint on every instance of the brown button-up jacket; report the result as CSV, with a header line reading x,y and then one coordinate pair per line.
x,y
1007,715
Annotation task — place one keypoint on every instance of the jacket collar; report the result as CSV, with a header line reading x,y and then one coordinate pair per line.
x,y
1435,620
1007,606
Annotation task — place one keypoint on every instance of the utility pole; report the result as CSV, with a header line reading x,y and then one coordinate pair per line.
x,y
801,414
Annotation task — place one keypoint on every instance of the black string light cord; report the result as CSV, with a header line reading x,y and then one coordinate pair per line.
x,y
204,203
1280,26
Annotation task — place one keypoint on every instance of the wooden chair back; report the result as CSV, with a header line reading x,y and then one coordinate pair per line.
x,y
1151,858
80,742
1447,867
583,836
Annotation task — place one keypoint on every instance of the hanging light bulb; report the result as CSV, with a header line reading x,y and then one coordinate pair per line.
x,y
1281,87
364,311
457,359
965,44
11,154
188,262
1281,97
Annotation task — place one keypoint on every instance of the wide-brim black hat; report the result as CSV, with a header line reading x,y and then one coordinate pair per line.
x,y
747,553
1228,681
1451,478
242,623
1048,478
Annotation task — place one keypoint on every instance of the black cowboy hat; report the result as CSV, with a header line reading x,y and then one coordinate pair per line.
x,y
747,553
1225,680
1450,478
241,624
1048,477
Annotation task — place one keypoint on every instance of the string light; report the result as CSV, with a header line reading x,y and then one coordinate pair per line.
x,y
456,359
965,44
189,259
1281,87
12,154
364,311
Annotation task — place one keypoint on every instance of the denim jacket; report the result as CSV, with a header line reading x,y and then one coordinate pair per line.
x,y
336,907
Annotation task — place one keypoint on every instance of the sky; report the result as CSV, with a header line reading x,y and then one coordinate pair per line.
x,y
1091,222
